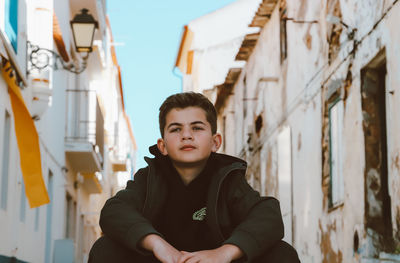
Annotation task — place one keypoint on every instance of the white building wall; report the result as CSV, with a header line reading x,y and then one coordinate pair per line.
x,y
216,40
26,231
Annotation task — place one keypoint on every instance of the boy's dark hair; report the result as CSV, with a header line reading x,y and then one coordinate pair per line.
x,y
184,100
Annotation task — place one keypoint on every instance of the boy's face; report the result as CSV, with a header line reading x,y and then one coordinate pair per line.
x,y
188,139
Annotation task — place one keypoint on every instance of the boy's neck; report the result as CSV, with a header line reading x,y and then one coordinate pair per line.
x,y
189,173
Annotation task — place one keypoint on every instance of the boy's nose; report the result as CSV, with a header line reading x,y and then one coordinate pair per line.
x,y
186,134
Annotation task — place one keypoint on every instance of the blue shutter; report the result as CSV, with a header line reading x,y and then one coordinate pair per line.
x,y
11,22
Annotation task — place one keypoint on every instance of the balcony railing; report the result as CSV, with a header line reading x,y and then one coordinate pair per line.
x,y
84,131
81,116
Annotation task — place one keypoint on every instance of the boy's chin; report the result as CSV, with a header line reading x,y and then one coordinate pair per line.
x,y
190,163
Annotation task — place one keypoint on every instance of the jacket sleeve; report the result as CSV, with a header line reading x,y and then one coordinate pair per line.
x,y
121,218
258,219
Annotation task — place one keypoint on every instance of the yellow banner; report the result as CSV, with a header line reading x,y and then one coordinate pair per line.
x,y
28,142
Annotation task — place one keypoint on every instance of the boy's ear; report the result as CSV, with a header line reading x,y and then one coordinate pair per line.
x,y
161,146
217,141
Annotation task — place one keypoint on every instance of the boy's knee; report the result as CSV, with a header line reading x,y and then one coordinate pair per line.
x,y
103,250
288,252
98,246
106,250
282,252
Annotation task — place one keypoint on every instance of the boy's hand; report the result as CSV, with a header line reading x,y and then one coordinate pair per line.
x,y
224,254
161,249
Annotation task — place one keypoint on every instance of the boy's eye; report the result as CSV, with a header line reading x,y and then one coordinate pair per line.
x,y
197,128
175,130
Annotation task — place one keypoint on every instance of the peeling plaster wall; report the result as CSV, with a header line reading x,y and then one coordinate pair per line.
x,y
251,93
386,35
229,131
298,100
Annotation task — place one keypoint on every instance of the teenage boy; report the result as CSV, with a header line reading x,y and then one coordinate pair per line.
x,y
190,204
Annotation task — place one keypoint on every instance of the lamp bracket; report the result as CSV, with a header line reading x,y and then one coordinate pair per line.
x,y
41,58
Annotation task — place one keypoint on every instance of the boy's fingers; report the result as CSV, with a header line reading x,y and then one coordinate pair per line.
x,y
186,256
193,260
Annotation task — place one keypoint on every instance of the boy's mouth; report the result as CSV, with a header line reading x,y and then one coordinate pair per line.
x,y
187,148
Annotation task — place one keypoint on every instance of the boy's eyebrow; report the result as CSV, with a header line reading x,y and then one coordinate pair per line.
x,y
180,124
197,122
174,124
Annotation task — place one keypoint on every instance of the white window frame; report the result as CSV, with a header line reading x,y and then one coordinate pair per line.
x,y
5,160
285,184
336,112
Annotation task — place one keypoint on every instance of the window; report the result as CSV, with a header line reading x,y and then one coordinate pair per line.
x,y
283,31
5,161
37,216
258,123
377,200
11,22
70,217
283,36
22,208
336,192
49,217
285,180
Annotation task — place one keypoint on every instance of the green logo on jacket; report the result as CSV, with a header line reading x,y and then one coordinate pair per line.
x,y
200,214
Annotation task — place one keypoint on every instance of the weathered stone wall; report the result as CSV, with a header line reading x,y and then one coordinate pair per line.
x,y
325,61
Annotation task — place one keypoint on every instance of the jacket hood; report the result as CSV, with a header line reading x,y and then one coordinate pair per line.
x,y
222,159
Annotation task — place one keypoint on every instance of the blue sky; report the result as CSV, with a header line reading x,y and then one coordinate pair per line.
x,y
150,32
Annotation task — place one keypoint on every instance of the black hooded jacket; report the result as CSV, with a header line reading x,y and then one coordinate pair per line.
x,y
236,214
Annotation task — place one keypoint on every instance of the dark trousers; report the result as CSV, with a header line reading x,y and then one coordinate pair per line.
x,y
104,250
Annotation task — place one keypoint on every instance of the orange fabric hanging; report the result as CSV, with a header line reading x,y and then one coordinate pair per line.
x,y
28,142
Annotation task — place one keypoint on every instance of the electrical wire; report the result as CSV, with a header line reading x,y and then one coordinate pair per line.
x,y
299,98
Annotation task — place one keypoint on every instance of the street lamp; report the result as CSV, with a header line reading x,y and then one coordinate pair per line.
x,y
83,27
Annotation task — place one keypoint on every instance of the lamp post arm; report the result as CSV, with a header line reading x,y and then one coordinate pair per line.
x,y
40,58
